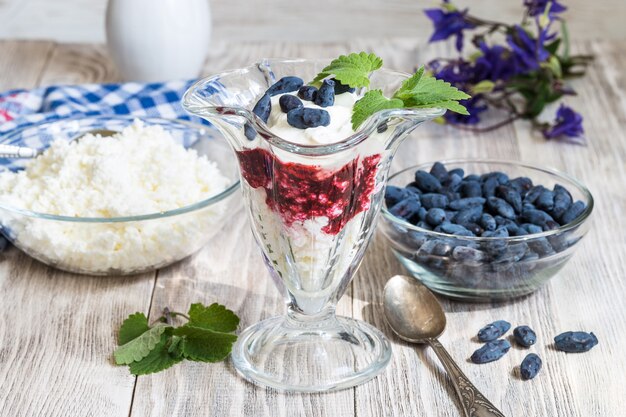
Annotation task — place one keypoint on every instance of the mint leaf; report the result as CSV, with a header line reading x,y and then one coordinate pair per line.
x,y
372,102
139,347
158,359
411,82
174,347
352,69
214,317
449,105
205,345
207,337
134,326
423,90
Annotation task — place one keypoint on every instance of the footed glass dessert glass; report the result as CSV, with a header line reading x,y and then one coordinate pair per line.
x,y
312,210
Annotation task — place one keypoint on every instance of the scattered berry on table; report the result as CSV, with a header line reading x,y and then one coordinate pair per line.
x,y
530,367
493,331
491,351
575,342
524,336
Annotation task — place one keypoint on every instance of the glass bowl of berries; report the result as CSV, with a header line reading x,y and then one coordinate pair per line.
x,y
484,230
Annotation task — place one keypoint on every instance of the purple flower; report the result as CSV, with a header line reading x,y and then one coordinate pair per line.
x,y
474,106
448,24
528,52
495,63
568,124
458,72
537,7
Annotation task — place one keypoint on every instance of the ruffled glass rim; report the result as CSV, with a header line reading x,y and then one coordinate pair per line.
x,y
195,104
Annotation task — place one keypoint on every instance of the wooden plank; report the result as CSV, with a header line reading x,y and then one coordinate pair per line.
x,y
284,20
22,63
588,294
76,63
58,330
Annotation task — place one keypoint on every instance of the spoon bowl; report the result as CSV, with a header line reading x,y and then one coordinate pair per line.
x,y
415,315
412,311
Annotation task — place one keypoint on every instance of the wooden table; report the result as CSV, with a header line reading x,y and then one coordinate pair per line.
x,y
57,330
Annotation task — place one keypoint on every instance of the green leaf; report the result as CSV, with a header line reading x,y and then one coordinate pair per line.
x,y
158,359
554,65
372,102
139,347
214,317
353,69
473,57
566,45
205,345
424,89
553,47
411,82
448,104
133,327
485,86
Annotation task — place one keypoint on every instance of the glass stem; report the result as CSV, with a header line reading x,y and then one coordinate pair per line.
x,y
298,319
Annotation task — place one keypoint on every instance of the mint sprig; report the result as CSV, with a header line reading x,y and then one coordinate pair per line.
x,y
353,69
419,91
424,89
372,102
206,337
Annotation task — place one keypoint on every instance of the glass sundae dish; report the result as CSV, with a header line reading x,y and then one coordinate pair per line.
x,y
313,173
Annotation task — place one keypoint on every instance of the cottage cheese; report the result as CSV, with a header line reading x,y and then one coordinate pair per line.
x,y
142,170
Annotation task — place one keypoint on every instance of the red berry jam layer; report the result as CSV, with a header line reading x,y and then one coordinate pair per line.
x,y
300,192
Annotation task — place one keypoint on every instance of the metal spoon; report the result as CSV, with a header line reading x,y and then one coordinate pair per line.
x,y
12,151
416,316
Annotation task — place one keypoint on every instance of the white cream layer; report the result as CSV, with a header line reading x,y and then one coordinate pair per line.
x,y
340,126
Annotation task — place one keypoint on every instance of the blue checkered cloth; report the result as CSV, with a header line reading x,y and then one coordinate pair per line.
x,y
24,108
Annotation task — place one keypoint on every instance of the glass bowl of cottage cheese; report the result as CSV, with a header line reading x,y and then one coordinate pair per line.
x,y
150,195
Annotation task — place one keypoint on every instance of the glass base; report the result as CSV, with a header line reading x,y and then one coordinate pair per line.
x,y
330,355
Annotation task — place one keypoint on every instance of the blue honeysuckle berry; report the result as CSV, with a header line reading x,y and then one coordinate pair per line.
x,y
493,331
530,367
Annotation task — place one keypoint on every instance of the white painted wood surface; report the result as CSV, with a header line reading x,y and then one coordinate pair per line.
x,y
289,20
57,330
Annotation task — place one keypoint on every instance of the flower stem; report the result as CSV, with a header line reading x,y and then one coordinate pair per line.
x,y
487,128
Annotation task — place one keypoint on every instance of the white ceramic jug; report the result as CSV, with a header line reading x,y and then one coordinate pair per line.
x,y
158,40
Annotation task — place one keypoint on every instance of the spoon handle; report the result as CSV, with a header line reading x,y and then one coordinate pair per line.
x,y
474,403
12,151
